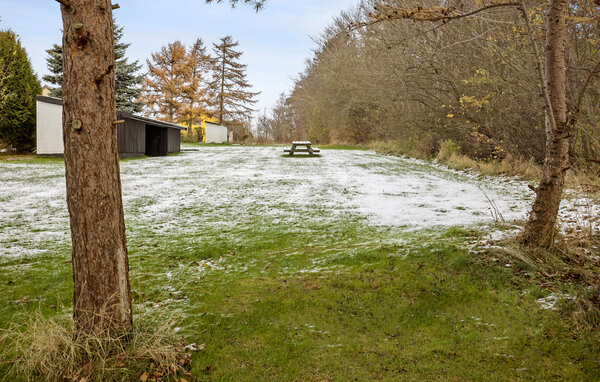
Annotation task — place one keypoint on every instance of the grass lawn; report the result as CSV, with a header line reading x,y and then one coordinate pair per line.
x,y
350,266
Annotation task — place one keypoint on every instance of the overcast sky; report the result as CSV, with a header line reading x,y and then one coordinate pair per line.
x,y
275,41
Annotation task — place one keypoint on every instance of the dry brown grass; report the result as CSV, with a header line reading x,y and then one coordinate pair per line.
x,y
422,149
526,170
449,154
43,349
569,263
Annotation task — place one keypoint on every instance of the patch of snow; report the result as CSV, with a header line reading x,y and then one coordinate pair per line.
x,y
549,302
208,193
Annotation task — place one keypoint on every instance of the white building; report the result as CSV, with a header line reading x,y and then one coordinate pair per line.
x,y
215,133
137,135
49,133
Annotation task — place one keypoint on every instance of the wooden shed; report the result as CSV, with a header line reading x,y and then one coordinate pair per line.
x,y
138,136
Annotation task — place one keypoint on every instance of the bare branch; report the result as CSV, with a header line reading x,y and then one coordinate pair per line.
x,y
540,70
65,3
427,14
258,4
116,6
584,88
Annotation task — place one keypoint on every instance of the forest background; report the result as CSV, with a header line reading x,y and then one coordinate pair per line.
x,y
468,86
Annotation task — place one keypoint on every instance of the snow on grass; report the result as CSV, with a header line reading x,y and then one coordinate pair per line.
x,y
549,302
33,214
220,189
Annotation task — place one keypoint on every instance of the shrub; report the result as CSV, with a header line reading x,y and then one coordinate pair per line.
x,y
448,148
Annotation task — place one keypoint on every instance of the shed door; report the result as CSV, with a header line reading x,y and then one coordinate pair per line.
x,y
157,143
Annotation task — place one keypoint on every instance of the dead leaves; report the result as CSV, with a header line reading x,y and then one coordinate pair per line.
x,y
158,372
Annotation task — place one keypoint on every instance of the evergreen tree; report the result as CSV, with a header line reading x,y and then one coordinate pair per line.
x,y
196,93
162,89
127,79
18,88
54,63
230,85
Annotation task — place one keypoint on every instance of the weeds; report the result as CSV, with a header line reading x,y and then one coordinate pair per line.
x,y
448,148
568,263
43,349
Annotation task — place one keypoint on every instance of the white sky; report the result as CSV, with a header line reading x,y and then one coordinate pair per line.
x,y
275,41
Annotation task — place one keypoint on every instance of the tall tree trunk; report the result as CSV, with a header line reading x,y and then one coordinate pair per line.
x,y
191,122
100,264
539,230
222,98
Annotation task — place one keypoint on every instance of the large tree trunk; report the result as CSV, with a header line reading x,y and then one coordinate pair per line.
x,y
539,230
100,264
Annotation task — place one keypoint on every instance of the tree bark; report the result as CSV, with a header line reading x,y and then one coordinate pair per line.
x,y
540,228
100,265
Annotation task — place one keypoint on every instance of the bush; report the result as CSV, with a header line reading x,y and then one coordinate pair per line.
x,y
448,148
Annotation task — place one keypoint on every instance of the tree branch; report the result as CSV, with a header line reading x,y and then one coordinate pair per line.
x,y
65,3
586,84
258,4
540,70
427,14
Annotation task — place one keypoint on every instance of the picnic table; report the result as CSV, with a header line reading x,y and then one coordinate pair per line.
x,y
308,148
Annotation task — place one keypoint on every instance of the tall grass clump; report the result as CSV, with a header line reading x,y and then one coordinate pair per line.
x,y
421,148
448,148
44,349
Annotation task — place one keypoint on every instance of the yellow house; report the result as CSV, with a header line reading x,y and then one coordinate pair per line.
x,y
201,127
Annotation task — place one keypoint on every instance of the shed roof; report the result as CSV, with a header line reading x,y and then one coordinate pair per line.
x,y
120,114
214,123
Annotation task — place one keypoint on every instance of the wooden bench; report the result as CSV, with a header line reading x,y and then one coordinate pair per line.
x,y
306,144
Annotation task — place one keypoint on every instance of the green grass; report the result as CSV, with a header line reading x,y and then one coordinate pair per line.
x,y
282,297
202,144
30,159
350,303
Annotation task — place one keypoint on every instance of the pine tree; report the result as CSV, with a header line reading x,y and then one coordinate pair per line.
x,y
196,93
162,89
55,66
127,78
18,88
230,84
